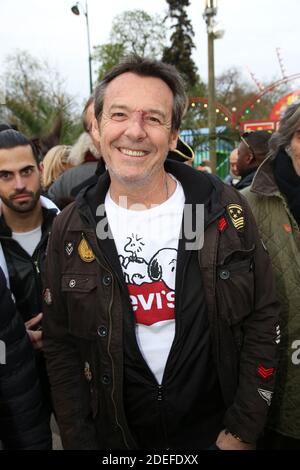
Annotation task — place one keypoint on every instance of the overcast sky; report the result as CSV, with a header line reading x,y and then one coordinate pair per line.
x,y
253,31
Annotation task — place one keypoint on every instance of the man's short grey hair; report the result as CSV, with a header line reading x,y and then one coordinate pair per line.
x,y
147,68
288,125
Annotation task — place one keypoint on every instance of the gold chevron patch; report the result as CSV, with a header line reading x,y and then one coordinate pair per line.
x,y
236,214
85,252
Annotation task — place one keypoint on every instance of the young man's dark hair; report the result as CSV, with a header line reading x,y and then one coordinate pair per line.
x,y
10,138
4,127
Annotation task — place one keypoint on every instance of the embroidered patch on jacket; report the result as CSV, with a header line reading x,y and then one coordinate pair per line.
x,y
265,372
85,252
222,224
69,248
236,214
47,296
287,228
87,371
277,332
266,395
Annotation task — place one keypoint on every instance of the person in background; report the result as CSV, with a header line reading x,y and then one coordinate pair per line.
x,y
154,336
274,197
85,157
252,151
54,164
24,423
205,166
233,177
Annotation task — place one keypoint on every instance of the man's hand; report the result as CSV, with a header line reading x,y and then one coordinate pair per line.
x,y
226,441
35,336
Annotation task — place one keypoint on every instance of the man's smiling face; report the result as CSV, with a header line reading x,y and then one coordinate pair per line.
x,y
135,128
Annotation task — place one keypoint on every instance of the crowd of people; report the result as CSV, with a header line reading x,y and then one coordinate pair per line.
x,y
148,304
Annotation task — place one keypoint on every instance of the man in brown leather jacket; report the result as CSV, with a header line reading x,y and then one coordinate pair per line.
x,y
155,336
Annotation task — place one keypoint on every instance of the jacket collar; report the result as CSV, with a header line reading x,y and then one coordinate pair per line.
x,y
264,182
50,210
198,187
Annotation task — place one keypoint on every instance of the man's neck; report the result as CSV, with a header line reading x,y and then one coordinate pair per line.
x,y
146,195
19,222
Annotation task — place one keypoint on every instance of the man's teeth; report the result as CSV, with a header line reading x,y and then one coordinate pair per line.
x,y
133,153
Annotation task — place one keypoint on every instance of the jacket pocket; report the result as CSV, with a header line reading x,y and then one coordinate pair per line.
x,y
80,292
235,285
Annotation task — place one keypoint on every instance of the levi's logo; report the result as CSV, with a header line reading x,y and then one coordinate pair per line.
x,y
152,302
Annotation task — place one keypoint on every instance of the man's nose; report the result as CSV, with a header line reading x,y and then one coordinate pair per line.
x,y
19,182
136,126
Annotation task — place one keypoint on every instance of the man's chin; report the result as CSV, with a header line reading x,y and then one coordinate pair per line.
x,y
132,178
22,207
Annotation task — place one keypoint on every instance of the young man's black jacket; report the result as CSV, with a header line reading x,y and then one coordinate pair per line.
x,y
24,422
25,270
86,330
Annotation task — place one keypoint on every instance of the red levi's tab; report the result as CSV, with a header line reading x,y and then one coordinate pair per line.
x,y
152,302
264,372
222,224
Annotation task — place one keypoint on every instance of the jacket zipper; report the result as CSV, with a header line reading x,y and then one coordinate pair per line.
x,y
83,235
36,264
160,399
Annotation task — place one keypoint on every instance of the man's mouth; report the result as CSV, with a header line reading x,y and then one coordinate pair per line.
x,y
21,197
133,153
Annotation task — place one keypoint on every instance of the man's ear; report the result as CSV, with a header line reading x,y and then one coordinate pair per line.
x,y
249,158
41,167
95,130
173,140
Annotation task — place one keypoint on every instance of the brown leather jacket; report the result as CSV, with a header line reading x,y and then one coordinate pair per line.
x,y
83,316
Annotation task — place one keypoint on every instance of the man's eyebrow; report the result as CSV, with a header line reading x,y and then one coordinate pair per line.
x,y
146,111
27,167
156,111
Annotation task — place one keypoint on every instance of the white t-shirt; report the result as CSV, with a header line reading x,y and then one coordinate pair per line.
x,y
28,240
147,244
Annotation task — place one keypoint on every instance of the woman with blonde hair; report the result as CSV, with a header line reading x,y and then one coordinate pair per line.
x,y
55,163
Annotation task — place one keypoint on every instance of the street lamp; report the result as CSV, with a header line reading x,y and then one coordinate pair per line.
x,y
76,10
210,12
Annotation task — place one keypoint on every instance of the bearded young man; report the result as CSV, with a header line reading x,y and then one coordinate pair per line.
x,y
25,223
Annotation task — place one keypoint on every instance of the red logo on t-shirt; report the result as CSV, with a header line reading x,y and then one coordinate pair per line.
x,y
152,302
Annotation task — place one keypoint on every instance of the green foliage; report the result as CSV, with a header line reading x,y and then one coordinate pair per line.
x,y
132,32
139,32
35,101
107,55
179,53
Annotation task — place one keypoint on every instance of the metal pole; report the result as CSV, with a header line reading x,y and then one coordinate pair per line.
x,y
211,99
89,46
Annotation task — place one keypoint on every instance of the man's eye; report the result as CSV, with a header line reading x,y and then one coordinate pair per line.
x,y
153,120
5,176
118,116
27,171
